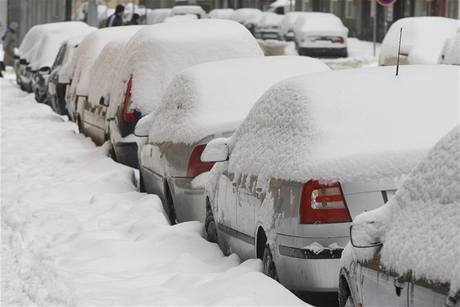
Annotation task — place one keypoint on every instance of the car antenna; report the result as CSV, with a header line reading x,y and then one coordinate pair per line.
x,y
399,52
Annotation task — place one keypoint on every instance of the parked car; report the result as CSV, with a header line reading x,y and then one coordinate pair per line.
x,y
320,34
85,57
406,252
422,40
60,76
189,10
451,50
202,102
248,17
155,55
287,25
157,16
269,26
181,18
221,13
313,153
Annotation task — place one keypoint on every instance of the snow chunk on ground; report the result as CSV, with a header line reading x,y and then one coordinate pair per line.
x,y
325,126
76,232
215,97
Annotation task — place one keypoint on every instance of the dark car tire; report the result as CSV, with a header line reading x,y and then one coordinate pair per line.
x,y
210,226
169,206
268,263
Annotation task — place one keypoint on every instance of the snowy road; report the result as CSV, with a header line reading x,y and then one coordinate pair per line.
x,y
76,232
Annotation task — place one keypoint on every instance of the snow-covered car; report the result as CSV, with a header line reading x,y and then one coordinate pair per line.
x,y
85,57
269,26
39,49
320,34
153,57
189,10
201,103
157,16
181,18
221,13
422,40
92,116
248,17
451,50
287,25
310,156
59,78
406,253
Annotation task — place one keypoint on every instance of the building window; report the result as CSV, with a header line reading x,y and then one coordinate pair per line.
x,y
334,7
452,8
349,9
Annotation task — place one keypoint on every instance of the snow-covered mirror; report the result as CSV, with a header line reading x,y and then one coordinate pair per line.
x,y
143,126
367,234
216,151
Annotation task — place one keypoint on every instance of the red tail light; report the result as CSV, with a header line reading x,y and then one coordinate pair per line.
x,y
195,165
339,40
323,204
128,116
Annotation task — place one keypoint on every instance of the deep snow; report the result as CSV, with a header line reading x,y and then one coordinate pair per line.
x,y
76,232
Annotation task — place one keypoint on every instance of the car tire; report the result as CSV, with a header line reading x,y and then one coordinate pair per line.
x,y
210,226
169,206
269,267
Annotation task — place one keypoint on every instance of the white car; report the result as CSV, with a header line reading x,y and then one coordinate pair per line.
x,y
189,10
269,26
156,16
313,153
221,13
407,253
202,102
422,40
320,34
248,17
153,58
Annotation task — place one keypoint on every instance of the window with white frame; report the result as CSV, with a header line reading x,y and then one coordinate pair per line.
x,y
349,9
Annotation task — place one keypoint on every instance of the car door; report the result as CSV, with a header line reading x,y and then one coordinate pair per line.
x,y
379,288
225,215
426,294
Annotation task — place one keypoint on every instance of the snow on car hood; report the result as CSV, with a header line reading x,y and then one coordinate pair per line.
x,y
215,97
158,52
361,124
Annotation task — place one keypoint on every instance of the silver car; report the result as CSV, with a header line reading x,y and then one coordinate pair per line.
x,y
217,97
312,154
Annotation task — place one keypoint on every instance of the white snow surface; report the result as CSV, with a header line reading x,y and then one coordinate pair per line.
x,y
422,40
324,126
156,53
318,23
421,230
451,50
247,16
181,18
188,9
288,22
221,13
215,97
76,232
270,19
89,50
156,16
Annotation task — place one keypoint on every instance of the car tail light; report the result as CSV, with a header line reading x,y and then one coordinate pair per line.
x,y
128,115
323,204
195,165
339,40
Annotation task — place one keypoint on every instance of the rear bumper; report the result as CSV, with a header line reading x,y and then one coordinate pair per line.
x,y
323,51
269,35
126,153
189,201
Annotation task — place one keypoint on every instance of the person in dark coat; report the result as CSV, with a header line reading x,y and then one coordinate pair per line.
x,y
134,19
116,19
9,41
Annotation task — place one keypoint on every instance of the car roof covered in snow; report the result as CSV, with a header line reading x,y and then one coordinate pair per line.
x,y
360,124
318,22
270,19
421,229
188,9
156,15
221,13
422,41
451,50
158,52
215,97
247,15
88,51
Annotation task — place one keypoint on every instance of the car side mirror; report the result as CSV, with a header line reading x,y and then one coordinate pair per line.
x,y
216,151
143,126
367,234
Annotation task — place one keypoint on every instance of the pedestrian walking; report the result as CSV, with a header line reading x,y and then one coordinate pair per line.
x,y
9,41
116,19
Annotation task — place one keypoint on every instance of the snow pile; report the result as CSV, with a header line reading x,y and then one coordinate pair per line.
x,y
181,18
422,42
421,230
88,51
451,50
270,20
221,13
156,15
247,16
104,67
287,24
215,97
318,23
75,232
155,54
189,9
322,126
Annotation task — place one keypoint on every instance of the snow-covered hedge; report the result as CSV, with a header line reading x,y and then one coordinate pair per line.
x,y
215,97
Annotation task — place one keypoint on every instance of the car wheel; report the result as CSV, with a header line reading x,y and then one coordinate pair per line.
x,y
269,267
169,206
345,299
210,226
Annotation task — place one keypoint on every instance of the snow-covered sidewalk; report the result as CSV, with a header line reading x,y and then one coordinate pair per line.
x,y
76,232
